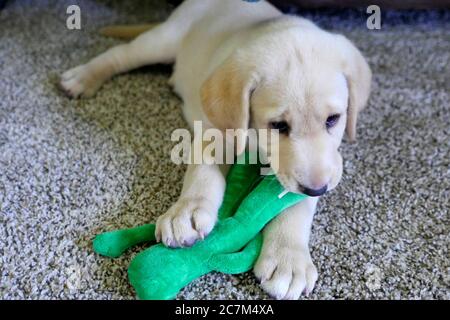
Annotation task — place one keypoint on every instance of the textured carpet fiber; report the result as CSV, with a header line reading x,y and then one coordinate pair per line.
x,y
71,169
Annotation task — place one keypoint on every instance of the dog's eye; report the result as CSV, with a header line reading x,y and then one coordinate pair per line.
x,y
332,120
282,126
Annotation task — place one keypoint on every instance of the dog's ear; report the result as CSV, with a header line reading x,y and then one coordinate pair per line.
x,y
225,97
358,75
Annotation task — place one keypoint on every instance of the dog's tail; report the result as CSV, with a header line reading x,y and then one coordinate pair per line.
x,y
126,31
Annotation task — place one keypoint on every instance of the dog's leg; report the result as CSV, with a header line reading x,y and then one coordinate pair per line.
x,y
194,215
284,266
158,45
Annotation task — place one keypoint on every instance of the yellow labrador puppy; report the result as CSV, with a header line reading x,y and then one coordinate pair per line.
x,y
240,65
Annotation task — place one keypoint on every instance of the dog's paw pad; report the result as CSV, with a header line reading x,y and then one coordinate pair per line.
x,y
78,82
185,223
285,273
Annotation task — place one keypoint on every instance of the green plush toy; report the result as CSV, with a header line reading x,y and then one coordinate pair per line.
x,y
232,247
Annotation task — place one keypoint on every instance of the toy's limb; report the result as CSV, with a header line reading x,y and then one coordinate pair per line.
x,y
240,181
113,244
238,262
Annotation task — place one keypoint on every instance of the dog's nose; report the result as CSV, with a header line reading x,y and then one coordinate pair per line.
x,y
313,192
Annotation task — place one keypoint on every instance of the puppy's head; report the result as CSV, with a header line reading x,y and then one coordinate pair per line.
x,y
308,85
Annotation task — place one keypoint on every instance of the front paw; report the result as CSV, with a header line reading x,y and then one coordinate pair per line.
x,y
185,222
285,273
80,82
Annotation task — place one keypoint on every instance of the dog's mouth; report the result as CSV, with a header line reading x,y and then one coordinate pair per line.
x,y
287,184
293,186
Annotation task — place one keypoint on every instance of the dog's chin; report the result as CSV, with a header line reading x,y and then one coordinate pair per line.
x,y
292,185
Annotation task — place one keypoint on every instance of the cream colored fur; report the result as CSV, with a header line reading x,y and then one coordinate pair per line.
x,y
241,65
